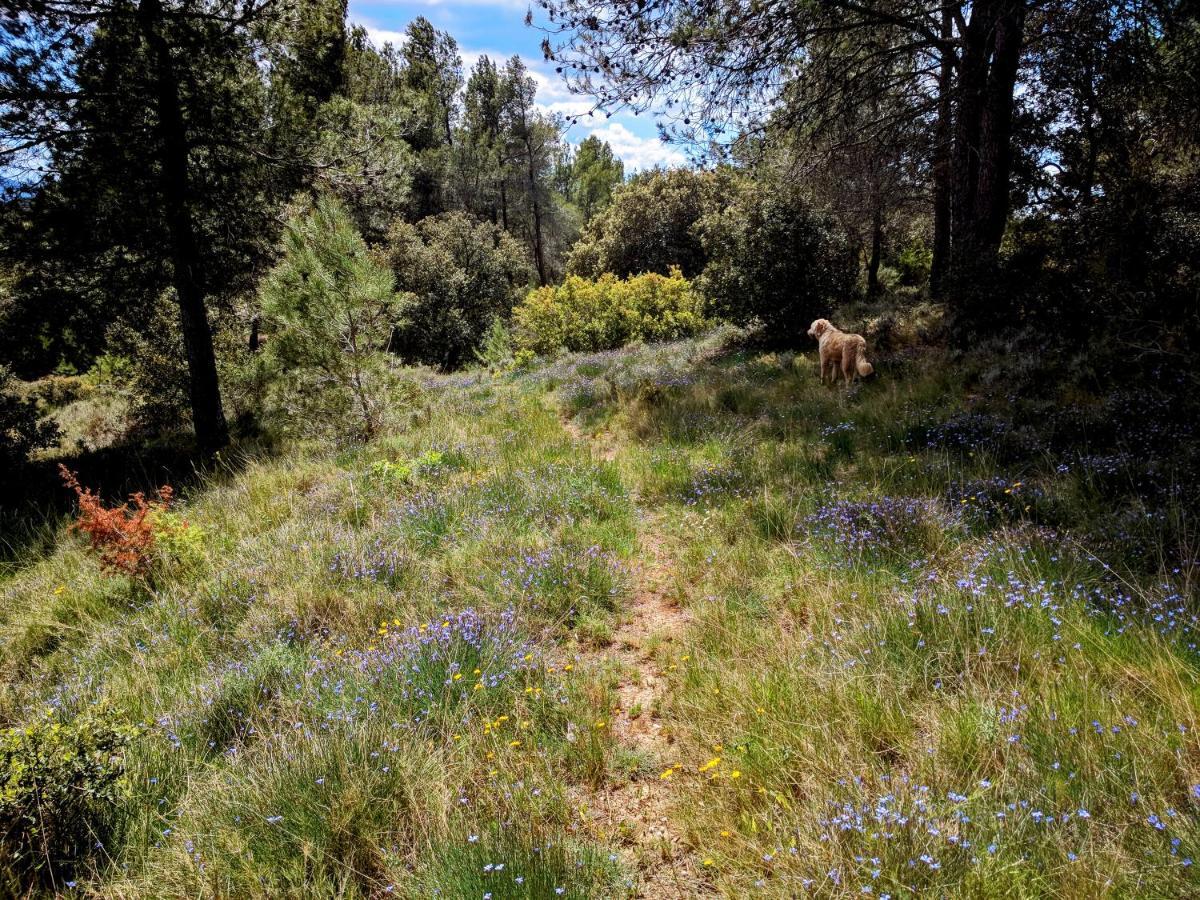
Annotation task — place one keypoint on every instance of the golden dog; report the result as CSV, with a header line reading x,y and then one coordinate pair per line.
x,y
837,348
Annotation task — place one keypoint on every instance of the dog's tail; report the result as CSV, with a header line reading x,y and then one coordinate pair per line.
x,y
864,367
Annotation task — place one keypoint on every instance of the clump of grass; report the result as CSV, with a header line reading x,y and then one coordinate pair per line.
x,y
879,529
507,864
560,583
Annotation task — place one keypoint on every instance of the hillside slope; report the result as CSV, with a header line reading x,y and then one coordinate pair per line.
x,y
661,622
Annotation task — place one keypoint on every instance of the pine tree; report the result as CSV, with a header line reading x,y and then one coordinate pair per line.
x,y
330,310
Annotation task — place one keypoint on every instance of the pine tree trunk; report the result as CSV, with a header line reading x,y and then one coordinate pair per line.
x,y
208,417
941,163
995,146
539,255
876,251
972,79
982,155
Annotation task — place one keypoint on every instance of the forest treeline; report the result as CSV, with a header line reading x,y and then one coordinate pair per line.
x,y
154,152
192,182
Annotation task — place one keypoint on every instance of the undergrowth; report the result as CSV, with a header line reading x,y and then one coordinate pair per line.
x,y
939,646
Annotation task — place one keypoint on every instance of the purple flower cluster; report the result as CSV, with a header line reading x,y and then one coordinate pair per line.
x,y
557,580
380,561
882,526
713,483
408,674
963,432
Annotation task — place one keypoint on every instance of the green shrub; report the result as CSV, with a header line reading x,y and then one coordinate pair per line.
x,y
460,275
59,784
914,264
21,429
109,368
773,261
584,315
177,542
649,226
55,391
495,351
401,472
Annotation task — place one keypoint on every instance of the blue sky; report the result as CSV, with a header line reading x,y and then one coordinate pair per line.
x,y
497,28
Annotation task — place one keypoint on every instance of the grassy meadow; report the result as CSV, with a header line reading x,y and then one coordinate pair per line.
x,y
934,635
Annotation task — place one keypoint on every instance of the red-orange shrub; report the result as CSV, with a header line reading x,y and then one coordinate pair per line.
x,y
122,536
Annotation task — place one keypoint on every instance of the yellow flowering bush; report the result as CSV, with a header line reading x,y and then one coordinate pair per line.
x,y
583,314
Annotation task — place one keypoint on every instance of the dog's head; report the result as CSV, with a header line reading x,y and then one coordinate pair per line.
x,y
818,328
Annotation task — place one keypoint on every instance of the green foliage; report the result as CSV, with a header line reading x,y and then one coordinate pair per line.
x,y
773,260
594,174
495,351
460,275
177,542
401,472
649,225
22,429
392,472
55,391
363,159
607,313
108,369
432,73
331,308
306,59
157,379
60,783
914,263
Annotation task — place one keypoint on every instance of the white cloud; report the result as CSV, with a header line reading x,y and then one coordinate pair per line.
x,y
381,36
637,152
552,94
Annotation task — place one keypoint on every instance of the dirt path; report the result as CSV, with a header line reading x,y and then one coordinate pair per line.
x,y
634,813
